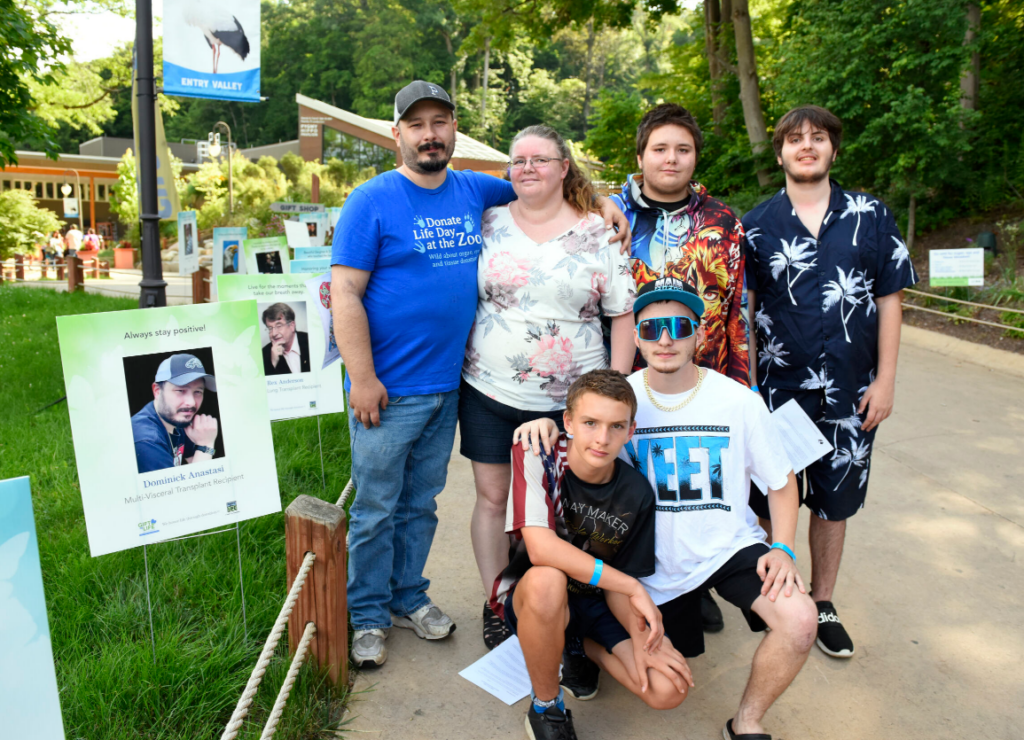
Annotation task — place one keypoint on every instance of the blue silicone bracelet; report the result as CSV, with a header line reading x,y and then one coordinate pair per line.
x,y
755,389
785,549
598,569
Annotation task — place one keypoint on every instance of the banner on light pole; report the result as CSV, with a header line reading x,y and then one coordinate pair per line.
x,y
212,50
168,202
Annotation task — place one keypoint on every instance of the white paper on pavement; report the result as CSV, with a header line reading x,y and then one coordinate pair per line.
x,y
502,672
801,439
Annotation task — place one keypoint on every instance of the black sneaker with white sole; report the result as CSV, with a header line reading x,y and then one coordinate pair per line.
x,y
554,724
832,637
580,676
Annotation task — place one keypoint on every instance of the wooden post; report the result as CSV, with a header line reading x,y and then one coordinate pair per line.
x,y
19,267
95,267
60,268
76,276
314,525
315,189
200,288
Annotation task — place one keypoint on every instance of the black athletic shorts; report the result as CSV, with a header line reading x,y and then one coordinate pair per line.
x,y
589,616
737,582
486,425
836,488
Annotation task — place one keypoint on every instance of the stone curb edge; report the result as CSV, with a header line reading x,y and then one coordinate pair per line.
x,y
998,360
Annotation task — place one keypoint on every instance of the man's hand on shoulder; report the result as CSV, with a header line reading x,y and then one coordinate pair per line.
x,y
535,433
367,400
615,218
778,570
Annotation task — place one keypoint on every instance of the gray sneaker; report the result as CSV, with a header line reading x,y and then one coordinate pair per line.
x,y
428,622
368,647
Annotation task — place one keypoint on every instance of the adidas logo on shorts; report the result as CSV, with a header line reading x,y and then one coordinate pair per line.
x,y
824,617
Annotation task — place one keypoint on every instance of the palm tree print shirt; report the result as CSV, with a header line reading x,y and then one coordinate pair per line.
x,y
816,320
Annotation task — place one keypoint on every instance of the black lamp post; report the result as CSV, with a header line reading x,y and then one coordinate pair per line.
x,y
153,292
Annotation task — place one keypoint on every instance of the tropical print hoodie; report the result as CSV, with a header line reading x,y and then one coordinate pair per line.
x,y
701,244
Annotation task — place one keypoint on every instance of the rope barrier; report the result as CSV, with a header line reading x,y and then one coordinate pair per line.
x,y
955,317
345,493
966,303
245,701
289,681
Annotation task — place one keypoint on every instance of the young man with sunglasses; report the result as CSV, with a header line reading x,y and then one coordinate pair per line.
x,y
680,231
699,437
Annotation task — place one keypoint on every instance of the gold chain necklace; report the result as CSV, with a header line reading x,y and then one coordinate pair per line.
x,y
681,404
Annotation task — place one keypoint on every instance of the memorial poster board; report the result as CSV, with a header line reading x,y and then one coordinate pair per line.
x,y
267,256
292,340
170,421
29,699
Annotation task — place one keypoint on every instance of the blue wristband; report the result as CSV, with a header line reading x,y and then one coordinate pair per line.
x,y
755,389
785,549
598,569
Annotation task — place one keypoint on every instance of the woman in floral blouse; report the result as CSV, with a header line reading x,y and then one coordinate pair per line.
x,y
546,274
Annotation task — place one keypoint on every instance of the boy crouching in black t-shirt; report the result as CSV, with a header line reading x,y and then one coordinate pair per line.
x,y
583,523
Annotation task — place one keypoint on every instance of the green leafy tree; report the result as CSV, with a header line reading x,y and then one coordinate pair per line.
x,y
890,71
22,223
30,50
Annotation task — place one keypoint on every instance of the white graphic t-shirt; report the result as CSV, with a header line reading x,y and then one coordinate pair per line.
x,y
699,460
538,325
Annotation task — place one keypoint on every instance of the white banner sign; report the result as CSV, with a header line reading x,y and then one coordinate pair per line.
x,y
950,267
212,49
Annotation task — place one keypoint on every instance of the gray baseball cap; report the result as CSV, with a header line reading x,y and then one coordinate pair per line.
x,y
416,91
183,369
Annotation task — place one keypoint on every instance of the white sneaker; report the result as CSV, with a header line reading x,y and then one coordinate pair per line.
x,y
368,647
428,622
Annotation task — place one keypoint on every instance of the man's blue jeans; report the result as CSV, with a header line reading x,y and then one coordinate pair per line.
x,y
398,469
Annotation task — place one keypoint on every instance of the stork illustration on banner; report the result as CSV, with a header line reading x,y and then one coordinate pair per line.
x,y
218,27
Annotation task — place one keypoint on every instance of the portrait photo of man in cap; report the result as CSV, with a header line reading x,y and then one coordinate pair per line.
x,y
169,430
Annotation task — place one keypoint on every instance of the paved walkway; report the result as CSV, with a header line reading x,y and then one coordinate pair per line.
x,y
930,590
120,284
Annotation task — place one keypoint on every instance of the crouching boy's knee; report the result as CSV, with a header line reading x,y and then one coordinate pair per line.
x,y
662,694
543,591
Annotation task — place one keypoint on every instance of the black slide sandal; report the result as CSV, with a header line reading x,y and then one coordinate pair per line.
x,y
728,734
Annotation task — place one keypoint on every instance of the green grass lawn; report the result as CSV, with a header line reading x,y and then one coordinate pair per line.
x,y
110,687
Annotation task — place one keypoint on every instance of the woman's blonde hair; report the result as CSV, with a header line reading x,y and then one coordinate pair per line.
x,y
576,187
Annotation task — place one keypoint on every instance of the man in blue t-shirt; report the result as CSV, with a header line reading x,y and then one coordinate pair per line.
x,y
404,289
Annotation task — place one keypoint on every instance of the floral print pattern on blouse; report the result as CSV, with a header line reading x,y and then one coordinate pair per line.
x,y
538,324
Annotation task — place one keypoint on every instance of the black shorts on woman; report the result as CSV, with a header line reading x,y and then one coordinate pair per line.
x,y
486,426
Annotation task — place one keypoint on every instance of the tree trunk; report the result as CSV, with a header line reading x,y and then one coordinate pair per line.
x,y
750,93
587,76
483,87
969,81
712,22
911,222
454,72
